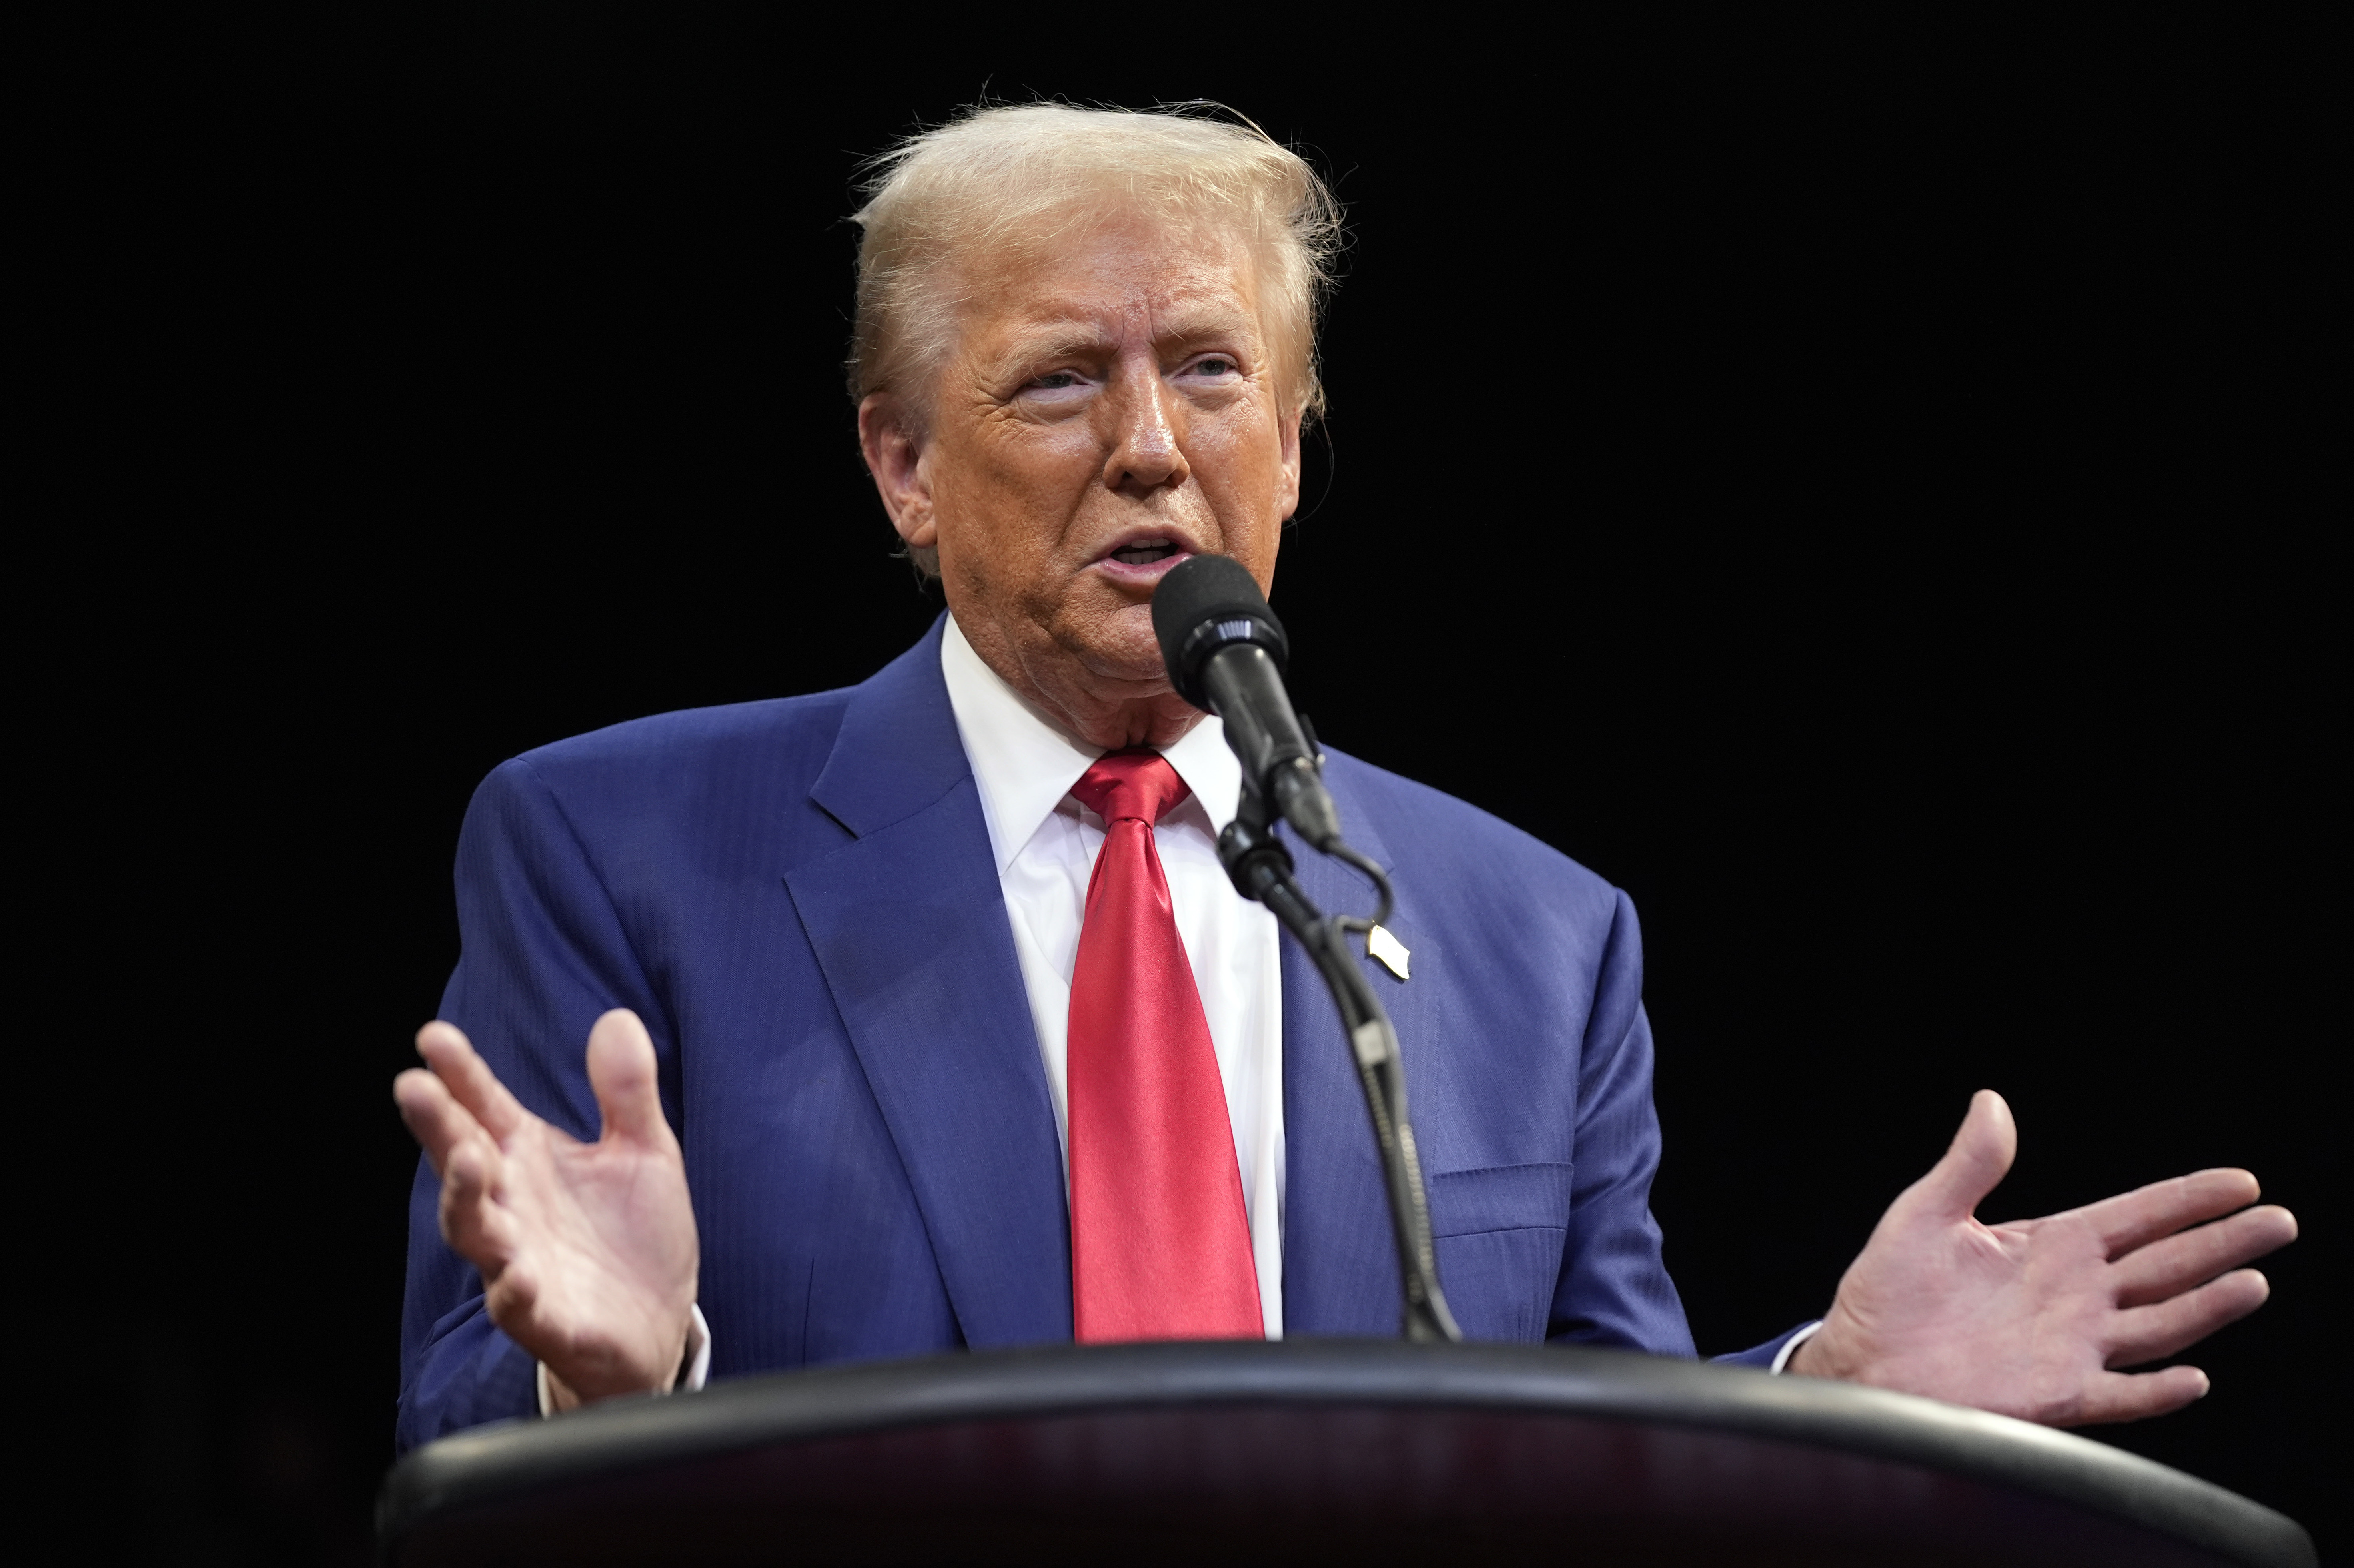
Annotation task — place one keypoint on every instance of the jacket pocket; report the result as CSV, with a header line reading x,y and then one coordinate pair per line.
x,y
1499,1198
1499,1233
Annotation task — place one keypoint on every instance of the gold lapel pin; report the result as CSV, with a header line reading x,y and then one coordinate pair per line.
x,y
1388,949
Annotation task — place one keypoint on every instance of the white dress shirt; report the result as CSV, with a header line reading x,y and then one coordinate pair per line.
x,y
1045,844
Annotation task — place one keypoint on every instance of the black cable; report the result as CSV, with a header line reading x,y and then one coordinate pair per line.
x,y
1373,873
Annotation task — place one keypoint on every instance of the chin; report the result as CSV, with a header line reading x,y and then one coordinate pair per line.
x,y
1128,658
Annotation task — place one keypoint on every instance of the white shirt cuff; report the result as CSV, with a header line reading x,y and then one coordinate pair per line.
x,y
1789,1346
697,1357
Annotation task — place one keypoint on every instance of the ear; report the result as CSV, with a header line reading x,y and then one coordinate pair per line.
x,y
1286,493
895,456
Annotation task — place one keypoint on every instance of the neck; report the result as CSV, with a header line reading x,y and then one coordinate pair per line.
x,y
1107,711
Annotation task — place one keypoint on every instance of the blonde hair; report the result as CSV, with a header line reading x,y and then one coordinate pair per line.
x,y
1025,174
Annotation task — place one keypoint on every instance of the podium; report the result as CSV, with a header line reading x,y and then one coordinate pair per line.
x,y
1304,1452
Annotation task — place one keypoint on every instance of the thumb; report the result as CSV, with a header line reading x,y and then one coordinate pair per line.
x,y
621,1071
1978,1159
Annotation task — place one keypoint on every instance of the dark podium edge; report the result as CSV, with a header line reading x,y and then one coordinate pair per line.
x,y
513,1459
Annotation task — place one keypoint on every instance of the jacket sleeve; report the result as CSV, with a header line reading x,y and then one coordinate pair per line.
x,y
542,954
1613,1287
1766,1357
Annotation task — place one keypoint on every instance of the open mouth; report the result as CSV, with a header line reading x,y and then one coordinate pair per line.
x,y
1144,552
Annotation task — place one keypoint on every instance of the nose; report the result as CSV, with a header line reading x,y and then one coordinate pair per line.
x,y
1148,436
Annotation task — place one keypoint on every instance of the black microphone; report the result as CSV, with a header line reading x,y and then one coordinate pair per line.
x,y
1226,654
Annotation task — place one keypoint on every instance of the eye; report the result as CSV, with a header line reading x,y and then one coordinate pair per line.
x,y
1216,365
1056,381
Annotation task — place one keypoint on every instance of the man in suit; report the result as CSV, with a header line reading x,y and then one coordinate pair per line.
x,y
920,1015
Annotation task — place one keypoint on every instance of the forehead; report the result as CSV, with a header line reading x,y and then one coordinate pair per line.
x,y
1166,277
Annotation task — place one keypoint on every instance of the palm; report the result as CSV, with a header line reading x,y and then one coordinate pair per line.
x,y
588,1251
2031,1317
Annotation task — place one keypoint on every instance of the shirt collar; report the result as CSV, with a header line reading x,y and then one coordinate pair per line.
x,y
1024,766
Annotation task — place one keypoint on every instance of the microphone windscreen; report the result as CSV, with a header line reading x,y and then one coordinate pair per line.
x,y
1204,603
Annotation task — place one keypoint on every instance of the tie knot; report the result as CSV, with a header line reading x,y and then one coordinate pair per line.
x,y
1130,784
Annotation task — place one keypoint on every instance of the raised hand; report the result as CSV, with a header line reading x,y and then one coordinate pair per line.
x,y
588,1251
2033,1318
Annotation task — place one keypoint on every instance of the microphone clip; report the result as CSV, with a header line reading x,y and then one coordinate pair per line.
x,y
1254,858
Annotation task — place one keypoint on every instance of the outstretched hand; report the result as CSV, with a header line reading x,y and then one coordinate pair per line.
x,y
2031,1317
588,1251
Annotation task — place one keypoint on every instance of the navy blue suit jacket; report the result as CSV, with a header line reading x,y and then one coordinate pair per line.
x,y
799,898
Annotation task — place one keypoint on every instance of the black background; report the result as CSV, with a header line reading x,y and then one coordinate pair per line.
x,y
1854,486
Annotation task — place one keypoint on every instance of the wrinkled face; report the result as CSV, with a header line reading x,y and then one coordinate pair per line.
x,y
1109,408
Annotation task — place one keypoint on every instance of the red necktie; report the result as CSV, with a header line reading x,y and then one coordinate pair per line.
x,y
1161,1247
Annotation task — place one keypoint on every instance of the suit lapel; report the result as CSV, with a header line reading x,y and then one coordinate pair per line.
x,y
1340,1265
908,924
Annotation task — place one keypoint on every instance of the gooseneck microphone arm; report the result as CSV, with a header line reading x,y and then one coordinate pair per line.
x,y
1225,654
1261,870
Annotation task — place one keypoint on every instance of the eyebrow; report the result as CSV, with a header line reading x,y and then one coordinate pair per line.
x,y
1051,337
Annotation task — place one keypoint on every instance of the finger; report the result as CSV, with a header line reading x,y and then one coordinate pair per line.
x,y
2151,1333
622,1070
2131,1219
434,1115
473,1223
1978,1157
451,1056
2175,1264
2119,1396
512,1300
